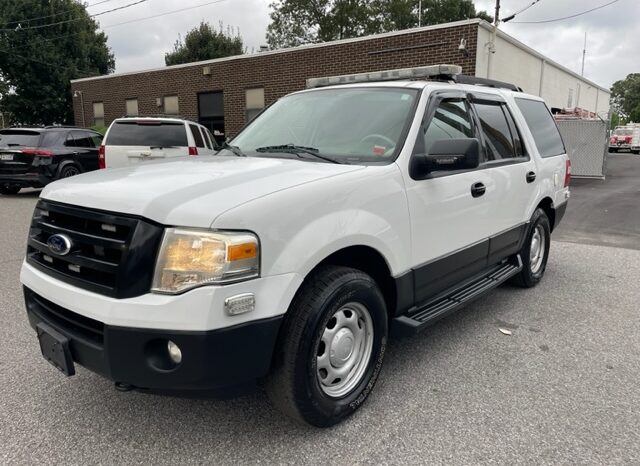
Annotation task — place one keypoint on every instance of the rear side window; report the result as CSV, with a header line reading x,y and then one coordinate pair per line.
x,y
19,137
500,134
207,141
81,139
152,134
53,139
542,126
197,136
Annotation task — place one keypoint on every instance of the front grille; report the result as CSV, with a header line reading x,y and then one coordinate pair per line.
x,y
64,320
111,254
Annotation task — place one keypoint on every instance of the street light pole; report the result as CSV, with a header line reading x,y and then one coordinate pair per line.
x,y
584,52
419,13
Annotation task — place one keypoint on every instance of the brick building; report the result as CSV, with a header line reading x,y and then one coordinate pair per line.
x,y
224,94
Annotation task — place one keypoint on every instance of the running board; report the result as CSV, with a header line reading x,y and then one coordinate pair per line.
x,y
454,299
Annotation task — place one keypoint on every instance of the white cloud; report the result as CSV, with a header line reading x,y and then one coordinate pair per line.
x,y
612,52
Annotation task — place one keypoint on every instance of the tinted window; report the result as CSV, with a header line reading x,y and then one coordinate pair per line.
x,y
542,126
53,139
213,140
206,138
97,139
82,139
154,133
451,120
495,127
197,136
19,137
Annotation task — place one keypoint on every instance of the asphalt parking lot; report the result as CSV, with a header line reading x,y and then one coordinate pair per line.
x,y
563,388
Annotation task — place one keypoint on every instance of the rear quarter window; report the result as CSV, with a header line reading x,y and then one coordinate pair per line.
x,y
542,126
156,134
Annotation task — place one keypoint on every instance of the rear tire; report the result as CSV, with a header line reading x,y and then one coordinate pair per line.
x,y
9,189
69,171
330,348
535,251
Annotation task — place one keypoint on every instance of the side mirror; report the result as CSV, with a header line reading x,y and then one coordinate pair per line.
x,y
447,155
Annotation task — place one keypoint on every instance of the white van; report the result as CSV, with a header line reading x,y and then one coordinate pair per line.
x,y
134,140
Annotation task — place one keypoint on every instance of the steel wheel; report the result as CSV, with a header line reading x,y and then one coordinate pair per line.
x,y
344,350
537,249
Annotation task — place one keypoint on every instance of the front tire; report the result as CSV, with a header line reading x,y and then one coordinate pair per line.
x,y
535,251
331,346
8,189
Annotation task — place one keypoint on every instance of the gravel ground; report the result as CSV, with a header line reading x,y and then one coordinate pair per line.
x,y
563,388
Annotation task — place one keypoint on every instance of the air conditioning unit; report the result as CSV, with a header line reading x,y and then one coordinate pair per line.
x,y
206,70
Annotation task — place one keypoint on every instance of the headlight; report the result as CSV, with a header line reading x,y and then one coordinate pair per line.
x,y
191,258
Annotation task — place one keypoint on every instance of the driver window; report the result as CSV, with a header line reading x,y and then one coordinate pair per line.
x,y
451,120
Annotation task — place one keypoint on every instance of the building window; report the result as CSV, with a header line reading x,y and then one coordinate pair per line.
x,y
255,102
98,114
131,106
171,105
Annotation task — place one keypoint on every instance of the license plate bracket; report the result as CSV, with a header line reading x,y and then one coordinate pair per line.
x,y
55,349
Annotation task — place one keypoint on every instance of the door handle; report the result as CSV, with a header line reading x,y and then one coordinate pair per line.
x,y
478,189
531,176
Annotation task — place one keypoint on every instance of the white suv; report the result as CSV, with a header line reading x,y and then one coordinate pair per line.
x,y
337,216
132,140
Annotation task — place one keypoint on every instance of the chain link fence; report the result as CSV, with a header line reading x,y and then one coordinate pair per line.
x,y
586,144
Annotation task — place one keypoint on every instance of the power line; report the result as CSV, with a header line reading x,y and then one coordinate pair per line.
x,y
509,18
566,17
162,14
50,39
60,13
20,28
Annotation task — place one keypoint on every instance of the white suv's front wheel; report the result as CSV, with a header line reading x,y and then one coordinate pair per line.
x,y
330,348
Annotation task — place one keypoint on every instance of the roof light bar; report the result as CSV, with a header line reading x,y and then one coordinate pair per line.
x,y
389,75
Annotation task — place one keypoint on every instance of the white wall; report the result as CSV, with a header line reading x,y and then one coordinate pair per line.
x,y
516,63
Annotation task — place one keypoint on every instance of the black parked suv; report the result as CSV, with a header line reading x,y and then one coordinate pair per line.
x,y
34,157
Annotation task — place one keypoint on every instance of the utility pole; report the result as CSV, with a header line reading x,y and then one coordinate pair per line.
x,y
492,43
419,13
584,52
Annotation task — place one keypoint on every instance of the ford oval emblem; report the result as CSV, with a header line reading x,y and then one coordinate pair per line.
x,y
59,244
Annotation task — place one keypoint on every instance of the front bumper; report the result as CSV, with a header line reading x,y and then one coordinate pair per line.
x,y
211,360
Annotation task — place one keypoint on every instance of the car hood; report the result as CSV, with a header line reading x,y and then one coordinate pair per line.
x,y
189,191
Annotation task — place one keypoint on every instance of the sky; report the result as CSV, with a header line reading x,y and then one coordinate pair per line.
x,y
612,32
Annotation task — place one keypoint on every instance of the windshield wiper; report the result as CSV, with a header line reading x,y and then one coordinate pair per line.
x,y
235,149
13,144
297,150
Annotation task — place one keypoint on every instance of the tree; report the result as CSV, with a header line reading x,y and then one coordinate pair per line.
x,y
297,22
39,57
625,96
205,43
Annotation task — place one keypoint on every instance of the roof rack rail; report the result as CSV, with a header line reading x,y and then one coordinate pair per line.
x,y
465,79
60,126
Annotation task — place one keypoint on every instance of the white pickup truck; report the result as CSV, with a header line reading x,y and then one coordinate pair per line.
x,y
340,215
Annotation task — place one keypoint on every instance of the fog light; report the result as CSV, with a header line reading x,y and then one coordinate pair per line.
x,y
240,304
174,352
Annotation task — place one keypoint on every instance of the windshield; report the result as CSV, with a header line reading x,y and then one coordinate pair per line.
x,y
360,125
19,137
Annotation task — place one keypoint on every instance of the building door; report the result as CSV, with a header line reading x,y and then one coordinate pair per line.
x,y
211,113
